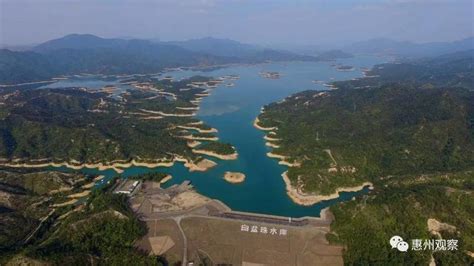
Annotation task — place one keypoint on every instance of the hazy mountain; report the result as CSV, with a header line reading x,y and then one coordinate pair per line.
x,y
448,70
18,67
19,47
75,54
85,53
333,54
79,41
220,47
210,46
409,49
245,52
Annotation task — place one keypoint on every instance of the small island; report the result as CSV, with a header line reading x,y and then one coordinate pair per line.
x,y
344,68
234,177
270,74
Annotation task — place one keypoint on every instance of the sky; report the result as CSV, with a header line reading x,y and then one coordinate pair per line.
x,y
295,22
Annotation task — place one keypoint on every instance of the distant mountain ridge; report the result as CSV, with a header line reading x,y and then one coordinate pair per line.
x,y
220,47
86,53
409,49
79,41
333,54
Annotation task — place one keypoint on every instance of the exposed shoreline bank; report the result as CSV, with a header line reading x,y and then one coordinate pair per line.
x,y
283,160
234,177
256,124
200,130
232,156
304,199
117,166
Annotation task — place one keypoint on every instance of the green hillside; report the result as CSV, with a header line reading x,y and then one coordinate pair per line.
x,y
385,131
410,131
60,125
100,230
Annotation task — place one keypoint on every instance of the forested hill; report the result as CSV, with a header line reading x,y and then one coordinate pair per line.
x,y
410,132
409,49
75,125
385,131
450,70
75,54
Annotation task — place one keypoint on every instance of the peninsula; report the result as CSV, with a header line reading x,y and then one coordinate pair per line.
x,y
83,128
405,138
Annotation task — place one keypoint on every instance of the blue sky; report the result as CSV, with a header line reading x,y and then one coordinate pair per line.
x,y
299,22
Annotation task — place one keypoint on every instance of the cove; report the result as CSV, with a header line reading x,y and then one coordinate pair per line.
x,y
231,110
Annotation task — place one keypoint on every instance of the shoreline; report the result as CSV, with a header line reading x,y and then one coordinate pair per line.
x,y
166,179
188,108
234,177
200,130
191,137
266,137
232,156
283,160
167,114
271,145
117,166
304,199
256,124
27,83
201,166
193,143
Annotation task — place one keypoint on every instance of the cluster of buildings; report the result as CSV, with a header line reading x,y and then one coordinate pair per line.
x,y
128,187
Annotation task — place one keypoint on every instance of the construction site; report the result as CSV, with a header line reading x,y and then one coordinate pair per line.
x,y
186,228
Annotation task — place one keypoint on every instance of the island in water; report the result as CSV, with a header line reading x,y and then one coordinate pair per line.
x,y
270,74
234,177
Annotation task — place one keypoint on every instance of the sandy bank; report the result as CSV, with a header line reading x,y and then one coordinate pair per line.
x,y
269,144
276,156
256,124
80,194
268,138
99,166
88,185
200,130
70,202
166,179
193,143
98,178
59,190
116,166
195,123
201,166
188,108
168,94
234,177
232,156
167,114
301,198
283,160
191,137
151,117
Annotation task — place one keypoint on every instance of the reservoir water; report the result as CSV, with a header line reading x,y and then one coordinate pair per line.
x,y
231,110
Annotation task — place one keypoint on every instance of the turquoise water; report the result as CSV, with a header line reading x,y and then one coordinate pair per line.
x,y
232,110
90,82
